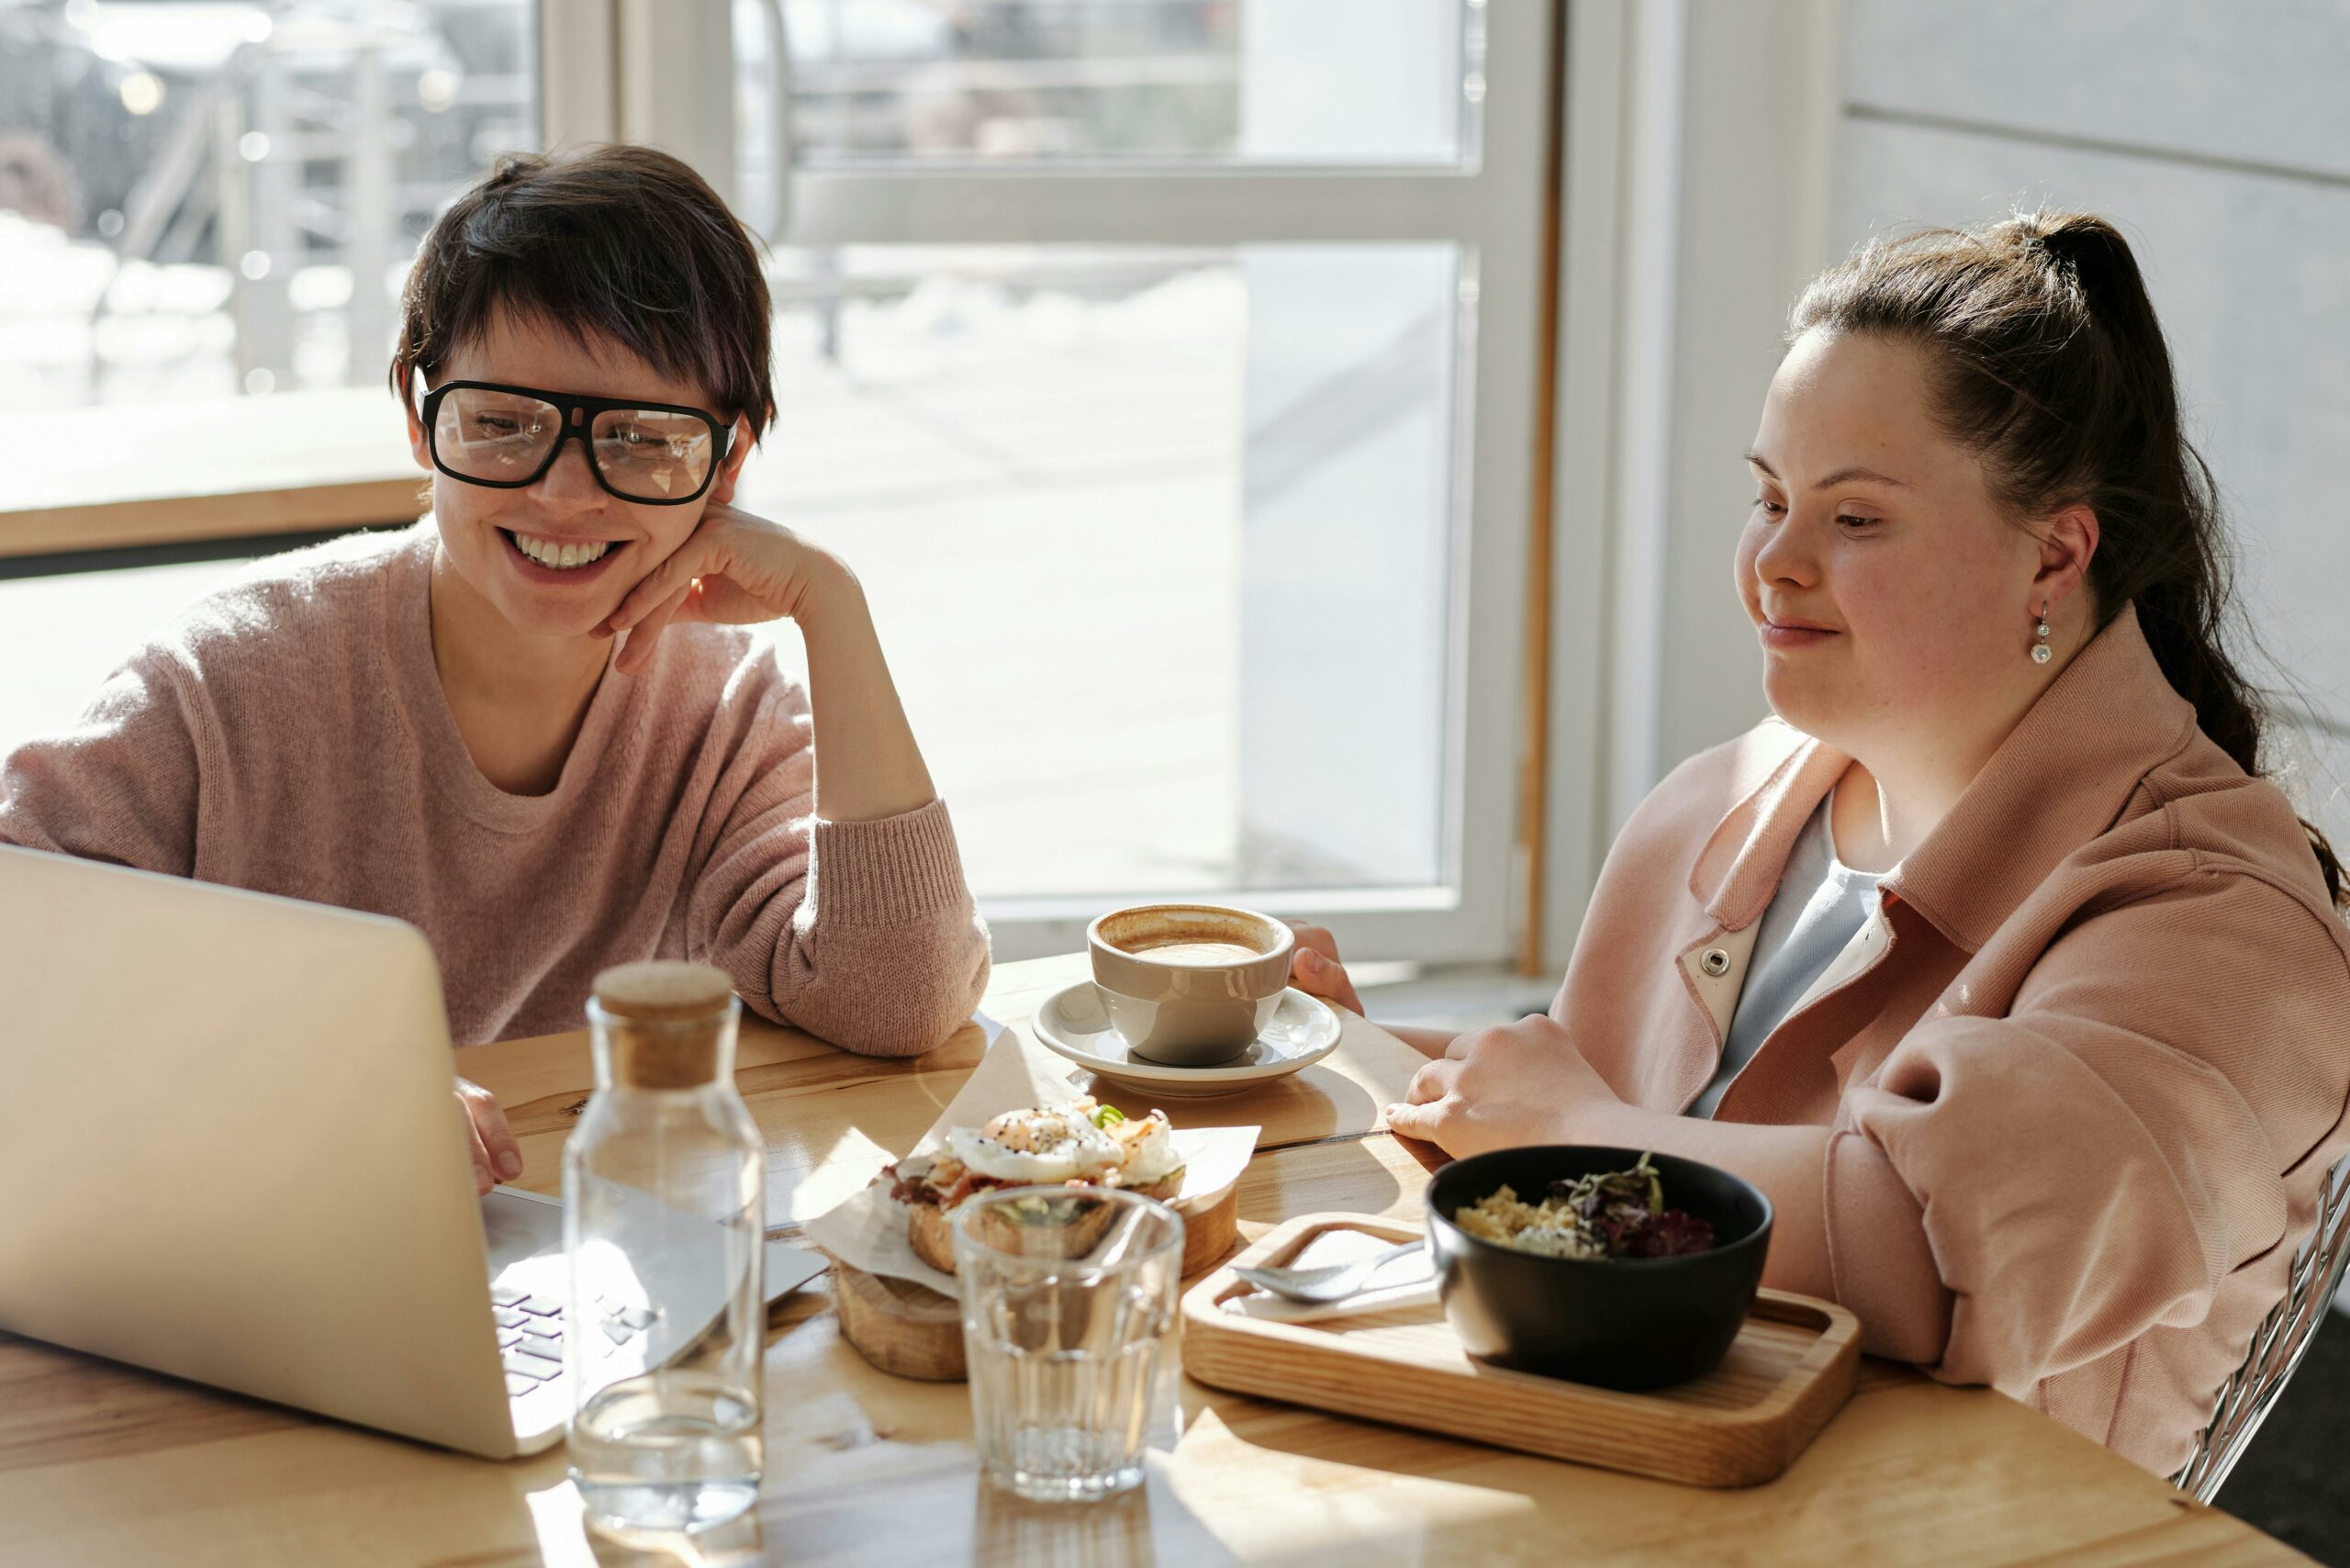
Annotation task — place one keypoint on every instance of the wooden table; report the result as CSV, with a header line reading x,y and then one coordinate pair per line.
x,y
102,1464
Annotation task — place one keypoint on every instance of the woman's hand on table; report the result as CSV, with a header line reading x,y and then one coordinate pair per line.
x,y
497,1157
734,569
1315,969
1505,1087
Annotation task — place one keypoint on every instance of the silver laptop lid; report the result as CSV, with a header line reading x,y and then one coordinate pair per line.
x,y
229,1148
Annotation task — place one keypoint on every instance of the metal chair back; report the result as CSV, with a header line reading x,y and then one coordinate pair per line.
x,y
2278,1344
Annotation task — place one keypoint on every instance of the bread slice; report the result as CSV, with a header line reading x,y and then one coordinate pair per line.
x,y
1165,1188
932,1238
930,1230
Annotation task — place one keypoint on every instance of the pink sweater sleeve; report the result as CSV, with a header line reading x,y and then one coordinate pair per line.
x,y
863,934
2012,1197
123,784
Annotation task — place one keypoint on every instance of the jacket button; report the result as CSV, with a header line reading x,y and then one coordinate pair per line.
x,y
1715,961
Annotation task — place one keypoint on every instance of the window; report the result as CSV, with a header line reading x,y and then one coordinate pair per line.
x,y
1135,352
1131,350
212,199
1157,535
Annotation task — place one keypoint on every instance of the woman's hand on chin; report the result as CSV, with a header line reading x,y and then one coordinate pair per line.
x,y
734,569
1503,1088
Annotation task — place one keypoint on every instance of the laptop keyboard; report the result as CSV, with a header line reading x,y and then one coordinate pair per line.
x,y
530,1335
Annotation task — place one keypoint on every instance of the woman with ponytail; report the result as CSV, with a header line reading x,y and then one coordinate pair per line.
x,y
1992,956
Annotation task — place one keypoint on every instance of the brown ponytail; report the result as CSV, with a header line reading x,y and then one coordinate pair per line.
x,y
2050,364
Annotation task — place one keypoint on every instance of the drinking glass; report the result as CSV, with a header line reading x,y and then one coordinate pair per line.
x,y
1069,1334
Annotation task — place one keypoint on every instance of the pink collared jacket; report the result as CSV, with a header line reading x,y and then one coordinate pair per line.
x,y
2086,1069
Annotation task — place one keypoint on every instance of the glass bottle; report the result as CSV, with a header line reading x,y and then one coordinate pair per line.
x,y
663,1188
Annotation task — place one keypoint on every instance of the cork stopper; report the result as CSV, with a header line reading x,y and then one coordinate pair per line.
x,y
666,1021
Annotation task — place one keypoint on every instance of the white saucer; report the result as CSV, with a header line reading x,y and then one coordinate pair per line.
x,y
1073,1024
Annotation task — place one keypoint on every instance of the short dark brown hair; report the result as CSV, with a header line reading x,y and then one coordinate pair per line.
x,y
612,241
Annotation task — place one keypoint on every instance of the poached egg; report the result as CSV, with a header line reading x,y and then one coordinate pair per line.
x,y
1047,1145
1037,1144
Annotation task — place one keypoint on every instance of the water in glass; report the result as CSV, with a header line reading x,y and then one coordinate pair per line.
x,y
1070,1335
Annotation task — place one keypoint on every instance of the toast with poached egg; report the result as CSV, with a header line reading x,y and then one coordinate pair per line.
x,y
1082,1145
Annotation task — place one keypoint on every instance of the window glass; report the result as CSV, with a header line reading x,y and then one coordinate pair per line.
x,y
200,199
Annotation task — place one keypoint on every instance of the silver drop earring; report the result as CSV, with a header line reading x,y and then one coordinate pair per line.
x,y
2040,651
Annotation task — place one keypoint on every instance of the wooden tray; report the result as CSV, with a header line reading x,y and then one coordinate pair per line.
x,y
1789,1371
912,1331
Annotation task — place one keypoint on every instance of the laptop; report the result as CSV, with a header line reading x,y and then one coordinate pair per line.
x,y
230,1151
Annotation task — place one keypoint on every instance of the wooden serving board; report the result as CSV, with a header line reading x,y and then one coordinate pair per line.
x,y
911,1330
1790,1370
906,1329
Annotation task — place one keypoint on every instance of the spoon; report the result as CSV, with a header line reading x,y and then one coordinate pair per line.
x,y
1333,1281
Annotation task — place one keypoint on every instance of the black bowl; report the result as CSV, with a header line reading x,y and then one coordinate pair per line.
x,y
1627,1323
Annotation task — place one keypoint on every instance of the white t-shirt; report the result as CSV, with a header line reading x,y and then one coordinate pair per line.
x,y
1821,905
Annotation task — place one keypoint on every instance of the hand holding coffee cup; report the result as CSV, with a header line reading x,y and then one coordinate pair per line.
x,y
1190,985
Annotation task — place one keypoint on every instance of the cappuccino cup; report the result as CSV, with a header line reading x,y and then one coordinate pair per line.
x,y
1189,984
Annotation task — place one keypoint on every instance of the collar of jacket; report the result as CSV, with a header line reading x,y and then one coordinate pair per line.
x,y
2061,777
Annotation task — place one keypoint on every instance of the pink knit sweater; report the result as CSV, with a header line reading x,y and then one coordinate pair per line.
x,y
288,734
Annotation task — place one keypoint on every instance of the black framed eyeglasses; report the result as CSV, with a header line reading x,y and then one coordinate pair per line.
x,y
484,432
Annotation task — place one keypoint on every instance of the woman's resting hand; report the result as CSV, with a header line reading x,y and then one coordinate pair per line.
x,y
734,569
1505,1087
497,1157
737,569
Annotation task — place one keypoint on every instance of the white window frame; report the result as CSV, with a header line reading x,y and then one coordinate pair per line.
x,y
1697,159
606,71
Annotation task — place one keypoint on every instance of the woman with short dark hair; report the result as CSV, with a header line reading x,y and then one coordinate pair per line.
x,y
530,724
